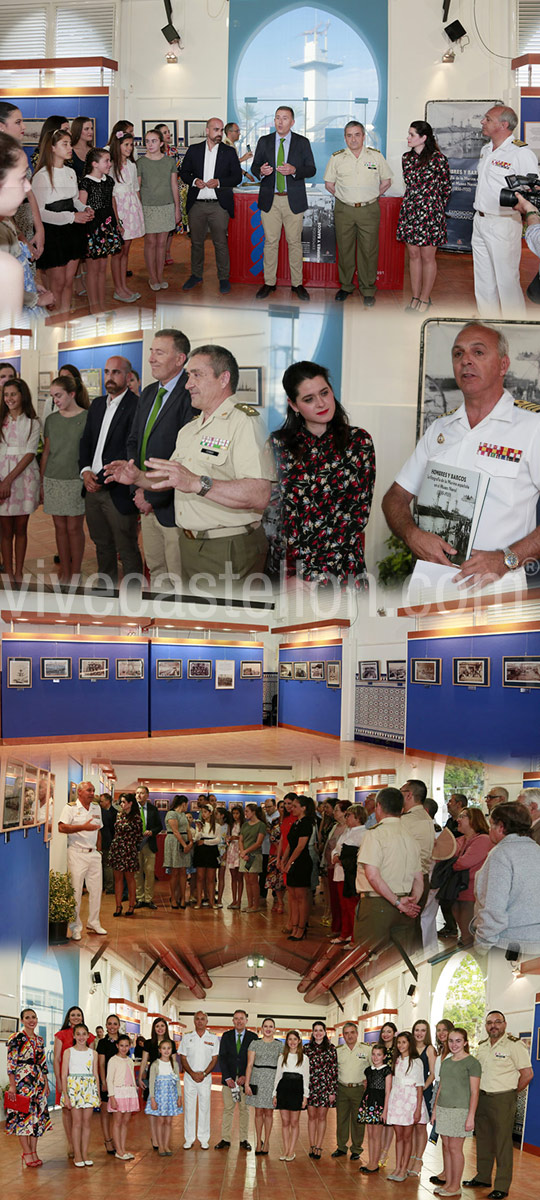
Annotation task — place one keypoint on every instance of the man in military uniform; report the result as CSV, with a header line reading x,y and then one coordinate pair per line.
x,y
491,433
357,176
389,878
496,238
506,1070
352,1057
221,471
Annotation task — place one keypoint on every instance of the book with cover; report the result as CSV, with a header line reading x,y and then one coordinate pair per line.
x,y
450,503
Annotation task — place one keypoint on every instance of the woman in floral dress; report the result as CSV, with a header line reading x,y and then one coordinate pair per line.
x,y
422,220
27,1080
322,1057
124,851
326,473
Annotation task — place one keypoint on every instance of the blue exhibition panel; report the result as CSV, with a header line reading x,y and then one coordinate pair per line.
x,y
24,869
74,707
96,356
179,704
308,703
68,106
531,1132
224,798
489,724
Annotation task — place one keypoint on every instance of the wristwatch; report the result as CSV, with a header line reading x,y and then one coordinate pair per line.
x,y
511,560
206,484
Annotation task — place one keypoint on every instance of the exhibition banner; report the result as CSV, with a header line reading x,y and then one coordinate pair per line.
x,y
456,125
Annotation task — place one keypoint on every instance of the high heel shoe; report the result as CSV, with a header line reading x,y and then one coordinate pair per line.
x,y
118,912
130,912
292,937
109,1142
413,306
28,1161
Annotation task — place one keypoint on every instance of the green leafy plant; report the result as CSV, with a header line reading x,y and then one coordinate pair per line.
x,y
397,565
62,905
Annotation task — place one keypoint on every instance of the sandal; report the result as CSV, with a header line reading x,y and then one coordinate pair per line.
x,y
318,1151
118,912
413,306
130,912
109,1142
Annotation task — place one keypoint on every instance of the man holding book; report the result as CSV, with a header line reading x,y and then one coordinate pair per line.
x,y
493,443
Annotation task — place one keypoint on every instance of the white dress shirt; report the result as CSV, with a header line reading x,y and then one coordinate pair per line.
x,y
110,411
209,172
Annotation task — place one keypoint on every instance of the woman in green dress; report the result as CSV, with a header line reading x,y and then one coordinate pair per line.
x,y
60,480
252,836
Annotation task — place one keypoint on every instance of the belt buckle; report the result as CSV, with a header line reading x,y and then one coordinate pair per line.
x,y
189,534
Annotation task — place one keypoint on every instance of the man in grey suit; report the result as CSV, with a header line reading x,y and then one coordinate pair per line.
x,y
163,408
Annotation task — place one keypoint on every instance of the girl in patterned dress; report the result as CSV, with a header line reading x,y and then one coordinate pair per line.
x,y
19,473
123,1097
130,213
124,851
378,1085
387,1039
422,220
232,859
105,231
80,1092
323,1072
405,1106
164,1094
27,1078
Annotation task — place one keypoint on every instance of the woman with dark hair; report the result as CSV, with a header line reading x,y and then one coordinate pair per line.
x,y
81,394
121,128
387,1042
50,125
27,1085
426,1052
106,1049
287,821
442,1029
297,867
405,1107
26,214
60,478
473,846
64,1040
177,852
82,140
326,473
291,1090
20,432
422,221
232,860
63,214
160,1030
262,1060
323,1074
508,885
124,851
206,854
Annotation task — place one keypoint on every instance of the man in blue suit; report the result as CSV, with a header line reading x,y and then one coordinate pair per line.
x,y
212,170
283,160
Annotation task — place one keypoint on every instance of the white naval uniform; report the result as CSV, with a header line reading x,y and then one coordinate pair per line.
x,y
199,1052
506,446
496,238
84,860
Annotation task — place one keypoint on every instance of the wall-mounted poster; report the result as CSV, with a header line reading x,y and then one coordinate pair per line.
x,y
333,674
249,390
169,668
55,668
172,126
301,670
13,785
30,796
93,668
426,670
130,668
8,1026
369,671
224,673
285,670
91,377
522,672
471,672
396,670
316,670
199,668
249,669
457,129
19,672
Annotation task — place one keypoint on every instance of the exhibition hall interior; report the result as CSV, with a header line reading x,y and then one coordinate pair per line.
x,y
278,265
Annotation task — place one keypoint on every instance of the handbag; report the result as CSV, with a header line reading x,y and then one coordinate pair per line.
x,y
19,1104
254,1088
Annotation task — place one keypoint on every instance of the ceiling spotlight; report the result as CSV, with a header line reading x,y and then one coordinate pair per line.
x,y
251,961
254,982
449,56
171,58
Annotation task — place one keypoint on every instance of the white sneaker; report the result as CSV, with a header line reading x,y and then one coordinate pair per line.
x,y
76,937
188,1145
88,1162
95,929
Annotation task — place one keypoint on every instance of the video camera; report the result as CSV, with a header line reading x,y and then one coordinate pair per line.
x,y
528,185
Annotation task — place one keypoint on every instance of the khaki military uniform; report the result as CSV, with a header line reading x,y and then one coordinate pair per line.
x,y
396,855
350,1089
230,444
357,214
495,1115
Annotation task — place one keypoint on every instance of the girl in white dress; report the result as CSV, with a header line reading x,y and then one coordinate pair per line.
x,y
123,1095
80,1092
126,194
232,860
405,1107
19,473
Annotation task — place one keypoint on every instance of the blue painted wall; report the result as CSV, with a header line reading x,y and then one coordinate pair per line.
x,y
74,706
489,724
226,798
68,106
531,1133
96,356
197,703
14,359
24,870
308,703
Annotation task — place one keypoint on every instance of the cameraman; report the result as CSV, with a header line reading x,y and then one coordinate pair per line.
x,y
532,237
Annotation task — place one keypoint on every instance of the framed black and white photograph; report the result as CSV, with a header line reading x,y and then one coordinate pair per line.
x,y
250,669
130,668
194,131
396,670
369,671
521,672
301,670
45,379
93,668
333,673
34,125
55,668
30,793
8,1026
426,670
318,228
172,126
317,671
249,390
471,672
199,668
169,668
286,670
225,674
438,393
19,672
12,794
91,377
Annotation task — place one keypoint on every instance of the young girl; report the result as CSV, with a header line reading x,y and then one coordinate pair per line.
x,y
105,232
375,1099
64,217
426,1053
224,822
60,479
252,836
291,1090
455,1105
160,202
130,213
232,860
19,473
123,1098
206,854
405,1106
387,1040
80,1092
165,1094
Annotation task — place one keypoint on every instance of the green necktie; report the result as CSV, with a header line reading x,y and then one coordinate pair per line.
x,y
143,819
280,160
238,1044
150,423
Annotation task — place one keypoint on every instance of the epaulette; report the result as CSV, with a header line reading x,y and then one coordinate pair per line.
x,y
528,405
448,414
512,1038
484,1042
336,152
517,142
248,409
373,150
